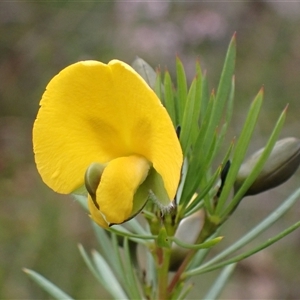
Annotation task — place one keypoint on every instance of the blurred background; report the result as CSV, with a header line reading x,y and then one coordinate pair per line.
x,y
39,229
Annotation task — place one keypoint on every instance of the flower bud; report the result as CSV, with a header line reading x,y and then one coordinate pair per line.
x,y
279,167
188,231
92,177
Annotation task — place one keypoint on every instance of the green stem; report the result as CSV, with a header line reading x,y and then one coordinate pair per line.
x,y
177,277
163,271
210,226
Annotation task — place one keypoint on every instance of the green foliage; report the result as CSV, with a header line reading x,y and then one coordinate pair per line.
x,y
221,280
169,102
48,286
204,120
251,235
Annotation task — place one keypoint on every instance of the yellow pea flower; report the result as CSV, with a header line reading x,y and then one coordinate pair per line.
x,y
100,125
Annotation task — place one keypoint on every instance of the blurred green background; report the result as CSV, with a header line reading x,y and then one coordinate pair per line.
x,y
40,229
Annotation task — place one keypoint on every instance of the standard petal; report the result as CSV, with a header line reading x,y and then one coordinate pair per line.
x,y
69,133
150,129
92,112
119,183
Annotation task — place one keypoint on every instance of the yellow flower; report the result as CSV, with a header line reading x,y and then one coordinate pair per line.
x,y
105,121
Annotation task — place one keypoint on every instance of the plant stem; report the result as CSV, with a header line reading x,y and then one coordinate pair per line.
x,y
210,226
177,277
163,271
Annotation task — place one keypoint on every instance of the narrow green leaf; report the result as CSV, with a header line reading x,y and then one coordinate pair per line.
x,y
169,99
200,141
198,158
192,110
122,272
120,230
181,88
145,70
207,244
131,278
187,121
258,167
198,258
197,105
185,292
257,230
212,116
119,267
105,243
242,256
229,109
82,200
136,227
151,274
196,204
207,143
210,155
202,170
205,95
220,282
241,149
184,170
89,264
223,90
111,284
178,290
201,254
47,286
158,86
228,153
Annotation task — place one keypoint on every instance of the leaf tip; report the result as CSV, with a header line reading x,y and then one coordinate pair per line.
x,y
233,40
262,90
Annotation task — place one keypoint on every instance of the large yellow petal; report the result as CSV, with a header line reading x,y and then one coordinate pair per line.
x,y
151,131
92,112
119,183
